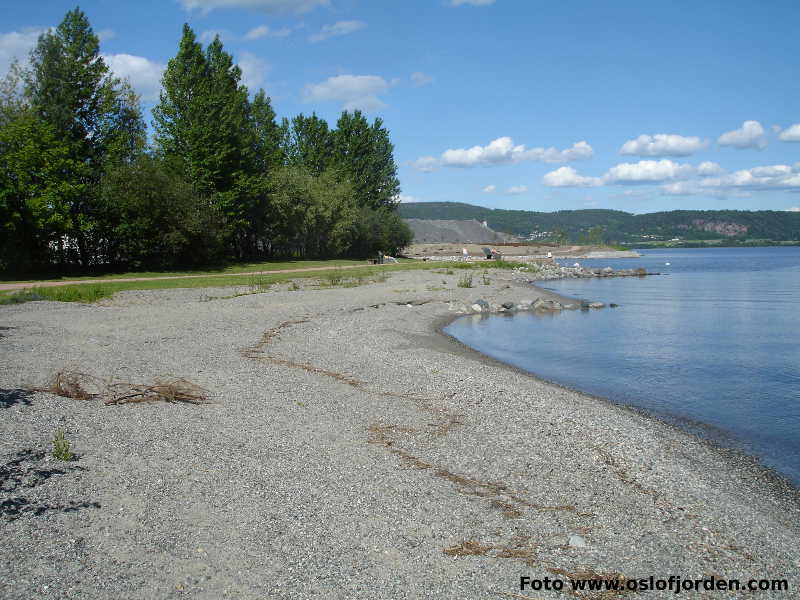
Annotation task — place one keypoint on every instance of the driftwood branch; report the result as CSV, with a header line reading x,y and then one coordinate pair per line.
x,y
70,384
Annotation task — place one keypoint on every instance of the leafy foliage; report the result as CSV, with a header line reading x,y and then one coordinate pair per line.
x,y
79,187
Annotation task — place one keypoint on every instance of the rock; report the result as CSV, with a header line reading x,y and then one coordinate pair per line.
x,y
596,305
570,306
577,541
537,304
612,305
556,306
641,271
477,308
608,270
496,307
584,305
508,305
483,304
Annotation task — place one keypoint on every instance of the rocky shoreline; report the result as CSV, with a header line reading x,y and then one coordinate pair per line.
x,y
546,272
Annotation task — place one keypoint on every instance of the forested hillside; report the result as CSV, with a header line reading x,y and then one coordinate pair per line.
x,y
81,187
617,226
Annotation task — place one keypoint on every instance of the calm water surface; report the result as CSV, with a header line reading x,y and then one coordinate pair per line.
x,y
715,340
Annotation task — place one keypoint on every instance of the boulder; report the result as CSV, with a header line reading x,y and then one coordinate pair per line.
x,y
483,304
508,305
596,305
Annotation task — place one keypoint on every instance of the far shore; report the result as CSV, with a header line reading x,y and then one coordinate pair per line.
x,y
348,450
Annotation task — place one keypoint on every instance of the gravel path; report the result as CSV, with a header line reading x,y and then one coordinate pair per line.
x,y
349,451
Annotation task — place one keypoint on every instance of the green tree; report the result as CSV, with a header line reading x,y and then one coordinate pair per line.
x,y
267,134
37,188
308,144
155,219
96,115
314,215
364,154
376,230
204,130
181,127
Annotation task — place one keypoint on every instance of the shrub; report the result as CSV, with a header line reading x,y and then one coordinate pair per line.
x,y
61,449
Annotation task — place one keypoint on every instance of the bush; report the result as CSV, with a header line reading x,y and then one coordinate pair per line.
x,y
61,448
154,219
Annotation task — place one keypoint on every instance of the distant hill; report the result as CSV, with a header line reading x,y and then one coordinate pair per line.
x,y
615,226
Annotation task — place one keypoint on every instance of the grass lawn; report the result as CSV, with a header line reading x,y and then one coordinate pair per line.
x,y
277,265
330,277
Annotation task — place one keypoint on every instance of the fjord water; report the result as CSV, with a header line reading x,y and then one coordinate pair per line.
x,y
712,344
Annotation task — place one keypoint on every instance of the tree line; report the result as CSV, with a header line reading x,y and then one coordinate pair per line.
x,y
82,186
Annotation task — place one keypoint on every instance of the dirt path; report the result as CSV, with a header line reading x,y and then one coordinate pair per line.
x,y
21,286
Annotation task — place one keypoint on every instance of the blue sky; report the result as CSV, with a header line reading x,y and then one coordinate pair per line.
x,y
522,104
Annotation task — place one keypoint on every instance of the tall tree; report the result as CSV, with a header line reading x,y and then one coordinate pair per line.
x,y
181,125
72,91
309,144
364,154
267,134
204,129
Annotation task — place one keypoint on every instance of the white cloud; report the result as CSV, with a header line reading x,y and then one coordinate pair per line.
x,y
144,74
405,198
739,183
648,171
489,189
337,29
17,44
471,2
793,209
264,31
568,177
354,91
419,78
693,188
270,6
790,134
106,34
517,189
502,151
643,172
663,144
708,168
254,70
750,135
426,164
208,35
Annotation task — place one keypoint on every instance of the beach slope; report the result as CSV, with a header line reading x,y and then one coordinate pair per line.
x,y
348,450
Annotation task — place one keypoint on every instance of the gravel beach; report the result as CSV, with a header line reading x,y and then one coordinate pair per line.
x,y
349,450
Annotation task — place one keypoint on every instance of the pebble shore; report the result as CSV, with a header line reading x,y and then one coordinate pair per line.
x,y
350,450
